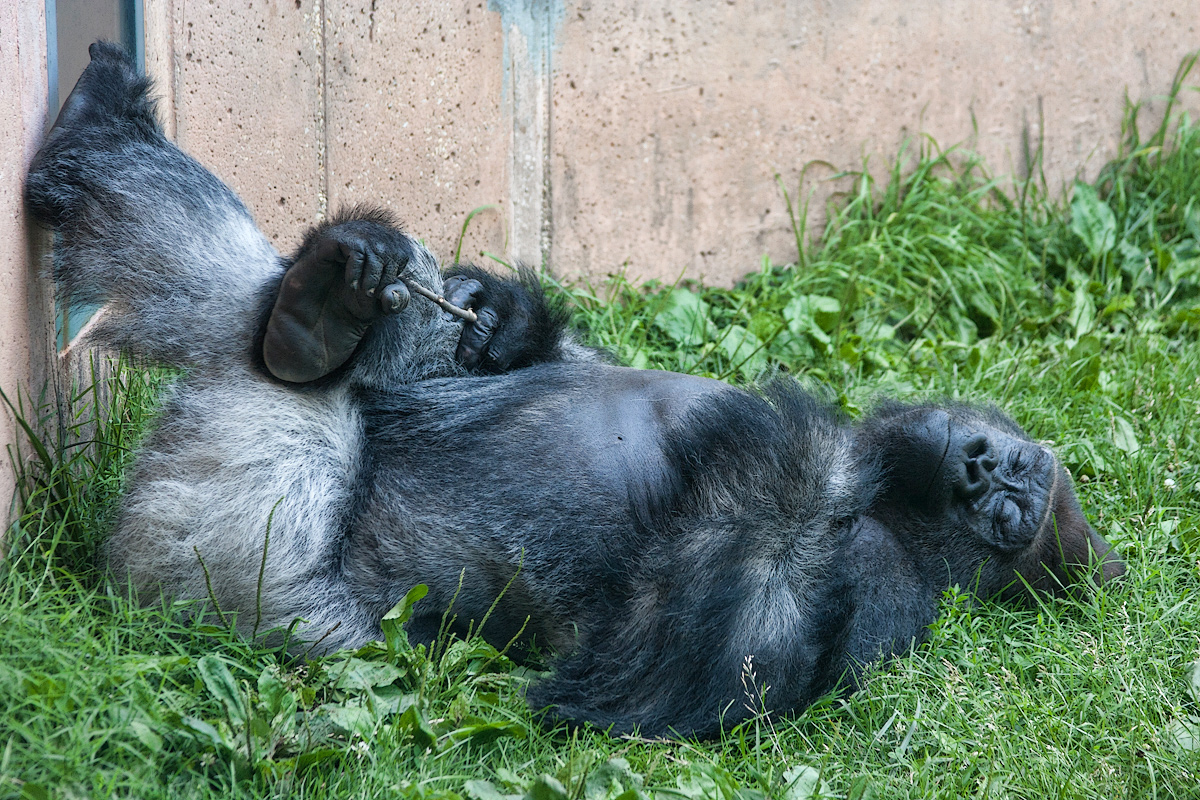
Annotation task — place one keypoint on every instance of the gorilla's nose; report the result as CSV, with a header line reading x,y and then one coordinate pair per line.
x,y
975,464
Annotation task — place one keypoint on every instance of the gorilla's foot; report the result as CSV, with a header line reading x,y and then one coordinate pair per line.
x,y
108,89
109,104
346,277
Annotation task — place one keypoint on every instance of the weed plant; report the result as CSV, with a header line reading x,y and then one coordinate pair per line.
x,y
1079,316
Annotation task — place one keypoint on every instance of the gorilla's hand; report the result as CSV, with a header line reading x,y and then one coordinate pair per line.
x,y
345,277
473,345
515,326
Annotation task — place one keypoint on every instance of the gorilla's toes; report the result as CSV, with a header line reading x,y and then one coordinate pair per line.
x,y
107,95
109,107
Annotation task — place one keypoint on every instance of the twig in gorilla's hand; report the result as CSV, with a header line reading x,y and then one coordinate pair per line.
x,y
443,303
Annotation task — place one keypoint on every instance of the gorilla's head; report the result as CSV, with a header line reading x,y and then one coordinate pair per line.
x,y
968,488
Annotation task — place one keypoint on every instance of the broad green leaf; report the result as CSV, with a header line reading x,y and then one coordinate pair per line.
x,y
1185,734
743,348
393,621
546,787
486,790
483,731
220,683
1124,437
354,674
611,780
1134,260
803,782
1194,681
402,611
1092,220
812,314
351,719
203,731
146,735
271,691
414,722
1083,311
314,757
685,318
710,782
874,330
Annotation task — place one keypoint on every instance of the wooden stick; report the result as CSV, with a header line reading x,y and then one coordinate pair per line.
x,y
442,303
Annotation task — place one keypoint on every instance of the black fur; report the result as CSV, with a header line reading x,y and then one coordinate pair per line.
x,y
691,553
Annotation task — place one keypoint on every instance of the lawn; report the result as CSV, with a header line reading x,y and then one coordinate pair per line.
x,y
1076,311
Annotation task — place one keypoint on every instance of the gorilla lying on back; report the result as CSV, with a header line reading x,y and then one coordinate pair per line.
x,y
662,529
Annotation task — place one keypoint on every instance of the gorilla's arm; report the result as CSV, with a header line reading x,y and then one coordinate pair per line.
x,y
350,273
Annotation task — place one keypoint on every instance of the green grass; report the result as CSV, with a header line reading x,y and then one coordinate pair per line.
x,y
1078,316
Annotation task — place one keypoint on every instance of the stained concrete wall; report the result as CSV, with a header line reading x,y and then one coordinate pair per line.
x,y
635,134
638,133
26,320
670,121
305,109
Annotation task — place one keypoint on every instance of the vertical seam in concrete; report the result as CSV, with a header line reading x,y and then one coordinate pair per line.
x,y
547,226
322,114
172,66
528,28
177,14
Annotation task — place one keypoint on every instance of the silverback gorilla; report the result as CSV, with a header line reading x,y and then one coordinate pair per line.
x,y
653,530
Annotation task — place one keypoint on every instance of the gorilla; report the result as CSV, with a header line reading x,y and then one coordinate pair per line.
x,y
332,441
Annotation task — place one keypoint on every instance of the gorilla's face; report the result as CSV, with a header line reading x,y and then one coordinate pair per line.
x,y
971,488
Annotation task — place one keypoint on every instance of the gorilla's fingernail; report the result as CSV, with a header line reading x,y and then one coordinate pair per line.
x,y
354,285
371,292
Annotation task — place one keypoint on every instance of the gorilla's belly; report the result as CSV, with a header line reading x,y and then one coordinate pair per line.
x,y
619,420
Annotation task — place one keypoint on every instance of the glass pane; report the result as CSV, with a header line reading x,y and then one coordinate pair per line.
x,y
72,25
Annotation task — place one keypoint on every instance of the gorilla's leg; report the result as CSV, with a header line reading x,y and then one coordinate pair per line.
x,y
236,454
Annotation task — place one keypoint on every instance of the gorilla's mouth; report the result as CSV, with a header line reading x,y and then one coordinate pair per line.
x,y
1022,505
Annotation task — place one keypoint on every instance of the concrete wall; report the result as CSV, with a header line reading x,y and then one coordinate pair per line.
x,y
643,134
27,358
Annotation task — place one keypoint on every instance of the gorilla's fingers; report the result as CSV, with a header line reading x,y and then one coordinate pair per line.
x,y
475,338
461,291
372,273
394,263
354,267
